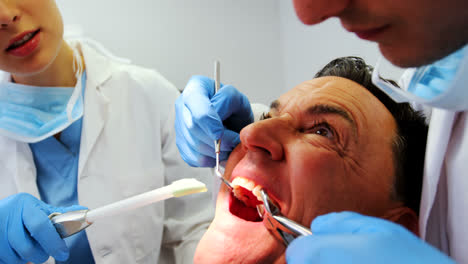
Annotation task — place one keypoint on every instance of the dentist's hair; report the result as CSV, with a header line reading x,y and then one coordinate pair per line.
x,y
409,144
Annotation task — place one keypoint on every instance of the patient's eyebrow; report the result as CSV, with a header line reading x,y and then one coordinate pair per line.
x,y
330,109
321,109
275,105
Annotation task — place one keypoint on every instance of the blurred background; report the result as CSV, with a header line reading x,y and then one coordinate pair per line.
x,y
263,48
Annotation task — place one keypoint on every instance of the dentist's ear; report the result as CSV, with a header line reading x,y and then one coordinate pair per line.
x,y
405,217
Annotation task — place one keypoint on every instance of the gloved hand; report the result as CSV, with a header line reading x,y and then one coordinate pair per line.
x,y
203,117
26,233
353,238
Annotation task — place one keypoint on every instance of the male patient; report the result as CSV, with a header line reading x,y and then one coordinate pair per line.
x,y
331,144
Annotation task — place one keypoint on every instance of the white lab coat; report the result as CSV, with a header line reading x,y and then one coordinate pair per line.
x,y
444,202
127,147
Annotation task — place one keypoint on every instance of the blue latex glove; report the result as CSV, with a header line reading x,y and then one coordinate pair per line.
x,y
26,233
200,115
353,238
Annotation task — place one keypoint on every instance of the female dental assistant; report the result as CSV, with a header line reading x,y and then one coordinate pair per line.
x,y
78,126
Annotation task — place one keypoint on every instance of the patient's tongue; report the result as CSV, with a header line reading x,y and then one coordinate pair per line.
x,y
239,209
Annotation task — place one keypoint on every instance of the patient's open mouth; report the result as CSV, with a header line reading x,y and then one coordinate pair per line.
x,y
244,199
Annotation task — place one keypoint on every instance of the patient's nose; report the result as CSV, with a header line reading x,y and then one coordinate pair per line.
x,y
315,11
266,135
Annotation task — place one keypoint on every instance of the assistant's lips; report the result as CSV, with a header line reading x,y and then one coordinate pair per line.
x,y
370,34
24,44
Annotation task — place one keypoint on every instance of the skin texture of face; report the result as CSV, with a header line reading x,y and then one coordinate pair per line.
x,y
408,32
325,147
44,66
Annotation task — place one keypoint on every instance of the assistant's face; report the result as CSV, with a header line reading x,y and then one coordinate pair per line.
x,y
30,36
408,32
326,146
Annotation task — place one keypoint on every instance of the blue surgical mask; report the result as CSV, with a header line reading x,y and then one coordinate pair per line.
x,y
442,84
31,114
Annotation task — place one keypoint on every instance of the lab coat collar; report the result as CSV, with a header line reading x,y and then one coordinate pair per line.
x,y
98,68
96,103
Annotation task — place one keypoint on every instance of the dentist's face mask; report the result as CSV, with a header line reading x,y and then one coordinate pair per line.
x,y
442,84
31,114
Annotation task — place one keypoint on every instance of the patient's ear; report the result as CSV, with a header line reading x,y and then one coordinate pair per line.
x,y
405,217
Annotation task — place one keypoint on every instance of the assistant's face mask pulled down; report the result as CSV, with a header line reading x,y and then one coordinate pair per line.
x,y
441,84
31,114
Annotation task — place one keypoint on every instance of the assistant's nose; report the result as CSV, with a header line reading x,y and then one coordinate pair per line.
x,y
8,14
315,11
268,135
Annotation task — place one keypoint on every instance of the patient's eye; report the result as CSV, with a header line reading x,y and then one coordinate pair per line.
x,y
322,129
265,115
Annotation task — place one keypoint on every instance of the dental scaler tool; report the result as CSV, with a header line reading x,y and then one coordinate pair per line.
x,y
72,222
282,228
218,142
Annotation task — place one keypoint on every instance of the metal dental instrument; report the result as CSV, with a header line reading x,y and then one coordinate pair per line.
x,y
282,228
72,222
69,223
218,142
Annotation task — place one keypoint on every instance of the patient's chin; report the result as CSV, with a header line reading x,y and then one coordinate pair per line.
x,y
231,239
219,248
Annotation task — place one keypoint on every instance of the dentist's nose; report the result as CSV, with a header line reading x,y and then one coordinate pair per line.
x,y
315,11
267,135
8,15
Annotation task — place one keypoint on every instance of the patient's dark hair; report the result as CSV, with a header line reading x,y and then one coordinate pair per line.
x,y
410,143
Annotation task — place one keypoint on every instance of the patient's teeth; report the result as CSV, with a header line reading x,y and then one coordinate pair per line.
x,y
239,181
247,184
256,192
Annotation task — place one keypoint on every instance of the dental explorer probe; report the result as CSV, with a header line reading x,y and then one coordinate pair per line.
x,y
218,142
